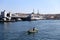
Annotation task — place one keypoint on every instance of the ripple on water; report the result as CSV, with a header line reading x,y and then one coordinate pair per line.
x,y
48,30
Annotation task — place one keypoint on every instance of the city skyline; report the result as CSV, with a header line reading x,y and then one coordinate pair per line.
x,y
27,6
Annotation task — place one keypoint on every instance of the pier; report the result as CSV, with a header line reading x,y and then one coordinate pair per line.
x,y
8,17
18,16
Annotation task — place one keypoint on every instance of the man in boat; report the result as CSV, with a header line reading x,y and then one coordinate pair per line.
x,y
33,28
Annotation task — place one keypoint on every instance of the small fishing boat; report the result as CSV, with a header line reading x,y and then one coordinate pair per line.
x,y
34,30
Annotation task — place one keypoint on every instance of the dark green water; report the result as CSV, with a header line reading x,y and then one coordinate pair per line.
x,y
47,30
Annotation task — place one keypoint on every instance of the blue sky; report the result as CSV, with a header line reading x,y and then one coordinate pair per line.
x,y
27,6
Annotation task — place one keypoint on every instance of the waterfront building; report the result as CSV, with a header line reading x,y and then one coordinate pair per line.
x,y
5,16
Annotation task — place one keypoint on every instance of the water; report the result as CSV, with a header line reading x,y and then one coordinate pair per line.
x,y
47,30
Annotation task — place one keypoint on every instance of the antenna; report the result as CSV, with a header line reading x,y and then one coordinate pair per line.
x,y
33,11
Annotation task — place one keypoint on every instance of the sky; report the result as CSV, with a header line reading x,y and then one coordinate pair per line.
x,y
27,6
